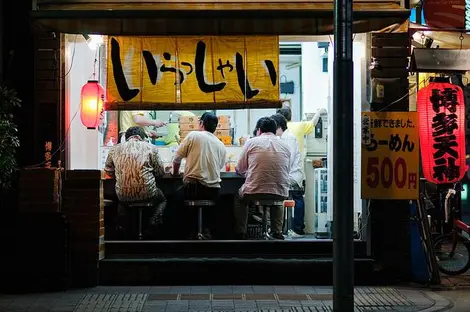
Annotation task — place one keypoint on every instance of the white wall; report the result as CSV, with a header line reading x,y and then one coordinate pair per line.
x,y
82,145
360,101
314,80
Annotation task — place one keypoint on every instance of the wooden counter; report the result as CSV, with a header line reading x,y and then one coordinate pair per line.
x,y
231,183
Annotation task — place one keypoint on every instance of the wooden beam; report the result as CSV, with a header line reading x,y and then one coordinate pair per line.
x,y
110,106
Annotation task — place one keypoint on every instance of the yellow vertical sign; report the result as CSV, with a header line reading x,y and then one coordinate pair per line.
x,y
390,155
124,81
262,70
159,54
195,69
227,52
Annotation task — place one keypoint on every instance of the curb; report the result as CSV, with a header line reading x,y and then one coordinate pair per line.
x,y
440,303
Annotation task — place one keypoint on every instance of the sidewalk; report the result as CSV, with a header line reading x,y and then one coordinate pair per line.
x,y
222,298
455,282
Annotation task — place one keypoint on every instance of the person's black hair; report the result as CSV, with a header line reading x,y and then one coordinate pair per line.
x,y
132,131
280,121
266,125
209,122
286,112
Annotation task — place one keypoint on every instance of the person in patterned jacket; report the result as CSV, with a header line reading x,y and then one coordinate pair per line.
x,y
136,164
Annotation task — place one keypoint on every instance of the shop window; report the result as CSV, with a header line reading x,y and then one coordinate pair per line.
x,y
87,149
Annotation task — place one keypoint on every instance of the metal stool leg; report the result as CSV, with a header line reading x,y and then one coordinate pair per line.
x,y
285,223
140,222
289,219
199,224
265,222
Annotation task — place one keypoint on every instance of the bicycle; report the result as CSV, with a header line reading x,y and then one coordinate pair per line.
x,y
452,250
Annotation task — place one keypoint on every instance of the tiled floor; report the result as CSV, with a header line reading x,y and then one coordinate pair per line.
x,y
219,298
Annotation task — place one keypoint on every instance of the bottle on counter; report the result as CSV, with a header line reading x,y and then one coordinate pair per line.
x,y
110,142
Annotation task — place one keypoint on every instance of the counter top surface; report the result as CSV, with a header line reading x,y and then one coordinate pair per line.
x,y
223,175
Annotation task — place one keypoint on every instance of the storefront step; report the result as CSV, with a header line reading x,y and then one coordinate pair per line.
x,y
239,249
227,271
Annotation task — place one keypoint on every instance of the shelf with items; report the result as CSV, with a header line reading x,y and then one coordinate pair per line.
x,y
224,131
322,228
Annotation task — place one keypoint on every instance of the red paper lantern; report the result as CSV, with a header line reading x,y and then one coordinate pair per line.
x,y
92,97
441,109
445,14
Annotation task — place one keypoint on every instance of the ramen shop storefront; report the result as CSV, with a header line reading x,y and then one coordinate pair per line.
x,y
181,60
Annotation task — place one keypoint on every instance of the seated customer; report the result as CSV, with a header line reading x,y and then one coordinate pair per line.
x,y
135,164
296,175
205,157
264,161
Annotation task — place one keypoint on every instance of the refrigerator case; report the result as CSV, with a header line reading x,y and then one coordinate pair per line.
x,y
310,189
322,224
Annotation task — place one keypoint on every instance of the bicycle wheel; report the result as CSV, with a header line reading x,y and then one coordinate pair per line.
x,y
454,263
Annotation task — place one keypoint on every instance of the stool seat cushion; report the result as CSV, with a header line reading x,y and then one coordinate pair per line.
x,y
143,205
289,203
268,202
108,202
199,203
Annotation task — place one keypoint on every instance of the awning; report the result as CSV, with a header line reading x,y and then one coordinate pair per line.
x,y
211,17
440,60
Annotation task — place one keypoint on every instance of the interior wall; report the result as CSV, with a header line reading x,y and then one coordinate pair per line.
x,y
360,104
315,83
82,147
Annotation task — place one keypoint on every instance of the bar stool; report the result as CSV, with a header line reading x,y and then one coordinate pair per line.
x,y
289,205
264,205
139,207
200,204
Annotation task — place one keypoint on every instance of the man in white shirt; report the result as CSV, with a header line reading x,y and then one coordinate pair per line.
x,y
205,157
296,175
264,161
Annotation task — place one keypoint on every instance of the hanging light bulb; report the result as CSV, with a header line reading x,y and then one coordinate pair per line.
x,y
92,98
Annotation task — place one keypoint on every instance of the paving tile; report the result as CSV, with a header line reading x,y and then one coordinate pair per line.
x,y
222,289
155,303
227,297
260,297
284,290
320,296
289,303
297,297
243,290
304,289
118,289
180,290
160,290
195,297
162,297
139,289
310,303
200,289
263,289
177,302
